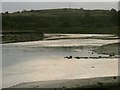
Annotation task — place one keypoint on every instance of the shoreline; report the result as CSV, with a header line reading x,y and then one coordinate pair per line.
x,y
96,82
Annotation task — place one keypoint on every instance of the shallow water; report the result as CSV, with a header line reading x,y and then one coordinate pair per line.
x,y
16,53
13,55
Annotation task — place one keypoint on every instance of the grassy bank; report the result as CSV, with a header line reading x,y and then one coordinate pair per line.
x,y
110,49
11,37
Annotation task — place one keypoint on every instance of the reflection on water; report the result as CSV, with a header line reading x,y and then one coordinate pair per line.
x,y
14,54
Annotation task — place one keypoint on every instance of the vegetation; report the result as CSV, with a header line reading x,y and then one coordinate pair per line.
x,y
9,37
30,25
64,20
109,49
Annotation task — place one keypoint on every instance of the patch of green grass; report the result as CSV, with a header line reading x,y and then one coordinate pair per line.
x,y
110,49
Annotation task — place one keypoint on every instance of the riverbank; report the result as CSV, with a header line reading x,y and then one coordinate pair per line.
x,y
109,49
107,83
12,37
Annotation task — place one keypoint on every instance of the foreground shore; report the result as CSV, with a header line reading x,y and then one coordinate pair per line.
x,y
67,71
107,83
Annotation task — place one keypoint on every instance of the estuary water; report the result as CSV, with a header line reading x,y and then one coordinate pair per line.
x,y
20,61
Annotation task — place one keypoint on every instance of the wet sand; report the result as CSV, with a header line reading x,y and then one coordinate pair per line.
x,y
57,73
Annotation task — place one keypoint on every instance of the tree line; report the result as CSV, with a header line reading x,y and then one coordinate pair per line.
x,y
62,20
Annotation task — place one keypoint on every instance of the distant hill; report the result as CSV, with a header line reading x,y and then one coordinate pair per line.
x,y
64,20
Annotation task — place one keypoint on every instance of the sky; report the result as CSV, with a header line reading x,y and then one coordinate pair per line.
x,y
18,5
59,0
